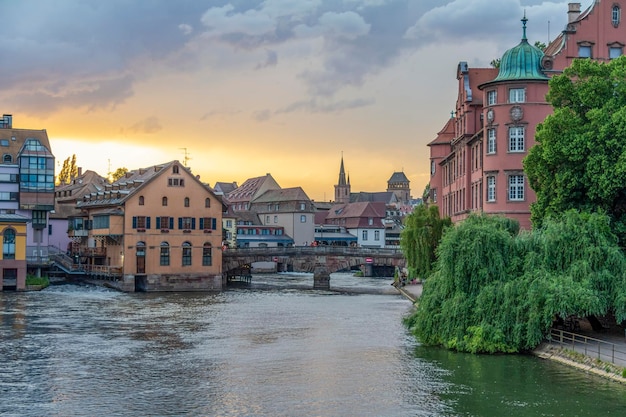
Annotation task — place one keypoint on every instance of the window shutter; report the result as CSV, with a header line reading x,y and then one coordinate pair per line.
x,y
180,223
158,222
134,222
193,223
148,222
202,223
171,222
213,223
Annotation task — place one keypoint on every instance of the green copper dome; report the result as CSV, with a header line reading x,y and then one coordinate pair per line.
x,y
522,62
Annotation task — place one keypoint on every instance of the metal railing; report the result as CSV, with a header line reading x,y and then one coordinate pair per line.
x,y
314,250
589,346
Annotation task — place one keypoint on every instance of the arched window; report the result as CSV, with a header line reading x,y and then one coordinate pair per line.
x,y
164,201
175,169
7,159
141,201
207,202
165,254
186,253
8,244
207,258
186,201
615,15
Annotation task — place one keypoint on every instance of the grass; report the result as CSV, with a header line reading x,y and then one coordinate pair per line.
x,y
34,280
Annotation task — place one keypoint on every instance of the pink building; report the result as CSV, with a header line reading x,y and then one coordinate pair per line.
x,y
476,159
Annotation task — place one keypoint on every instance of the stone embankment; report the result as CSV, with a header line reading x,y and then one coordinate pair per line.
x,y
550,351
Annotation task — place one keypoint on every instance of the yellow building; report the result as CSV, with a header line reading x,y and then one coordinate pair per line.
x,y
13,261
155,229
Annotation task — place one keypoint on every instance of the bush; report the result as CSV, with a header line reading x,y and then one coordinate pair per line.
x,y
33,280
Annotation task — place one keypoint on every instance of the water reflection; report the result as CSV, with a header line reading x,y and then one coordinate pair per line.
x,y
277,348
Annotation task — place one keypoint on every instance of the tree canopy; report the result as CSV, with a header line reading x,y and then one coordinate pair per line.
x,y
69,171
422,231
119,173
579,161
497,290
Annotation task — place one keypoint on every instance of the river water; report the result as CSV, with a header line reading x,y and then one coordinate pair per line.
x,y
277,348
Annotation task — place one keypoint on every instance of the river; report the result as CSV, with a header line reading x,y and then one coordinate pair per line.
x,y
277,348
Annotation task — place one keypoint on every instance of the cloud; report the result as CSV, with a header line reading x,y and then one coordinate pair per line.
x,y
270,61
314,106
149,125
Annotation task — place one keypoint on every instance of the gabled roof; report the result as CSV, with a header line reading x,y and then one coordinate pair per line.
x,y
387,197
445,135
283,194
124,188
251,188
84,184
13,141
355,215
225,187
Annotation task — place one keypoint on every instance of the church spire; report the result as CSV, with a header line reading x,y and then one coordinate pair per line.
x,y
342,174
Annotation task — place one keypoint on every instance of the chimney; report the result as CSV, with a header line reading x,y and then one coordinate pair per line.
x,y
573,12
80,171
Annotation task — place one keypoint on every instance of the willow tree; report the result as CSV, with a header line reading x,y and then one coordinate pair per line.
x,y
422,232
579,160
496,290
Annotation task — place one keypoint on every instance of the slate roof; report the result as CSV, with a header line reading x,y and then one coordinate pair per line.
x,y
398,177
249,189
387,197
357,215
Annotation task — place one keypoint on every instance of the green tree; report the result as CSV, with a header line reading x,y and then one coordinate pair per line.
x,y
579,161
69,171
119,173
422,232
497,290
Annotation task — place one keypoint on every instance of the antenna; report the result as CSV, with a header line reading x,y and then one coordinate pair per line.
x,y
186,158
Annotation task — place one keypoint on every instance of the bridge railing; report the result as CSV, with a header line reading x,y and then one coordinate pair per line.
x,y
314,250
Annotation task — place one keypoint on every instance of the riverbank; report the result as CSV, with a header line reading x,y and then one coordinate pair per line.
x,y
550,351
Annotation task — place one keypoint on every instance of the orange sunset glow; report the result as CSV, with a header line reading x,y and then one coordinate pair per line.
x,y
252,87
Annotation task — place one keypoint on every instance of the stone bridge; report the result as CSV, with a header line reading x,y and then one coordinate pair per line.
x,y
319,260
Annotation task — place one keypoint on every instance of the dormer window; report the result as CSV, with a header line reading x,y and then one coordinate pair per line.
x,y
615,15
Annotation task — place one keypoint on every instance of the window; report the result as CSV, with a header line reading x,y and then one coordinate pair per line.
x,y
370,221
8,244
615,15
303,218
267,219
432,167
275,219
491,97
229,223
584,51
186,203
175,182
39,219
207,202
8,196
165,223
517,95
207,259
302,206
7,159
4,142
175,169
364,234
491,188
516,187
186,253
615,51
376,234
141,222
208,223
141,201
491,141
516,139
434,194
165,254
186,223
164,201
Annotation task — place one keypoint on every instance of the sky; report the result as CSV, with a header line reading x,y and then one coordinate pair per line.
x,y
236,89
